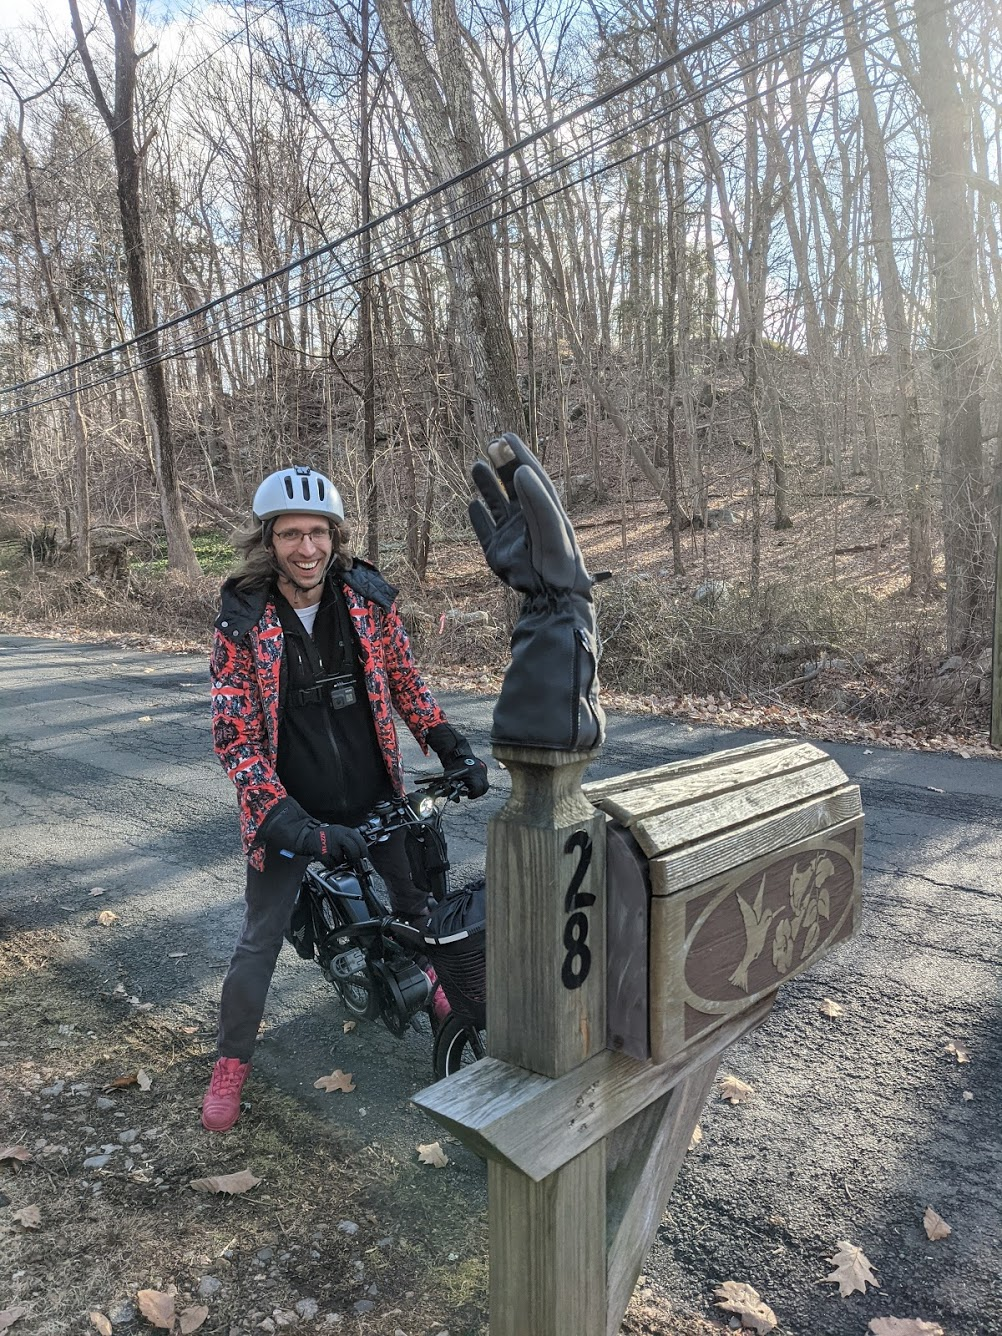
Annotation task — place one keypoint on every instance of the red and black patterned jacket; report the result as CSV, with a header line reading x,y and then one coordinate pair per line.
x,y
248,689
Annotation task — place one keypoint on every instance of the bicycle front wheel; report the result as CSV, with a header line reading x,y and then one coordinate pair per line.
x,y
457,1045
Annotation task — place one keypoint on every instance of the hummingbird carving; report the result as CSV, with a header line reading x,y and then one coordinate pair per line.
x,y
757,921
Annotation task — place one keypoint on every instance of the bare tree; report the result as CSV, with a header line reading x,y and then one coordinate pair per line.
x,y
119,117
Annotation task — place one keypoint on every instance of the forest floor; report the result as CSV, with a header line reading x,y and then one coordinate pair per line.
x,y
106,1229
836,649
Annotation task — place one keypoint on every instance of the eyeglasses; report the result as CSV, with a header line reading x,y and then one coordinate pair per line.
x,y
294,536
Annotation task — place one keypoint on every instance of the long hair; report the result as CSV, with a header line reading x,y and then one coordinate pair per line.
x,y
256,568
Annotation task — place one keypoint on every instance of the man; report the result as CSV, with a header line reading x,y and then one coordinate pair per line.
x,y
308,658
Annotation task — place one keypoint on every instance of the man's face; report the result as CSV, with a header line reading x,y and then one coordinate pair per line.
x,y
302,546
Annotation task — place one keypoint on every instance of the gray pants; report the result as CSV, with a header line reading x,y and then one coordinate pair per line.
x,y
269,897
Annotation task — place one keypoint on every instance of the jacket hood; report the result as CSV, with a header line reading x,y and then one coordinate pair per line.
x,y
240,609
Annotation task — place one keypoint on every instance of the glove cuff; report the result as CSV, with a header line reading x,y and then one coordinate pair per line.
x,y
286,824
448,745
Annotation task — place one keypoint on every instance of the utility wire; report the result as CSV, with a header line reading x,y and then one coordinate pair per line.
x,y
351,277
485,209
501,155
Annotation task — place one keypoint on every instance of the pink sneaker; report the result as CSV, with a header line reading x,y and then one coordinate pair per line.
x,y
221,1106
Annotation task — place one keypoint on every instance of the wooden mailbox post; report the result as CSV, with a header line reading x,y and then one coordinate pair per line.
x,y
636,928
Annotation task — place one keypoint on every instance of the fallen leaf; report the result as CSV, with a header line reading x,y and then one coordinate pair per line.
x,y
131,1078
148,719
242,1181
968,1094
349,1026
189,1029
696,1138
191,1319
28,1217
852,1269
338,1080
100,1323
903,1326
143,1080
98,890
19,1153
157,1308
935,1226
433,1154
958,1051
176,955
734,1090
735,1297
9,1316
830,1008
106,918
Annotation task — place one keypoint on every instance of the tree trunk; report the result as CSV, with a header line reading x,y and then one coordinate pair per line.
x,y
915,478
956,361
128,160
443,107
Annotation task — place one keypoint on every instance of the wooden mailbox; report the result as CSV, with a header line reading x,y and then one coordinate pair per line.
x,y
728,875
636,928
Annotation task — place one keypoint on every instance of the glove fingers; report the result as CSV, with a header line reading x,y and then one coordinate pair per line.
x,y
523,458
487,484
551,539
483,526
355,846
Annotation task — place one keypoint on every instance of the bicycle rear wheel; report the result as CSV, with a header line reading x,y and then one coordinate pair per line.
x,y
457,1045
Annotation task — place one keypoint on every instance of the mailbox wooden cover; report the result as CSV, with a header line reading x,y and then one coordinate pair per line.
x,y
753,872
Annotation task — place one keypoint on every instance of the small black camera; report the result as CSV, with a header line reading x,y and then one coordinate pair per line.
x,y
340,690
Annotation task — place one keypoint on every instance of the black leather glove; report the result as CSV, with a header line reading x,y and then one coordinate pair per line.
x,y
549,697
458,760
289,826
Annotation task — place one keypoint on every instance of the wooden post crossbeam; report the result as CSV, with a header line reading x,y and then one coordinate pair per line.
x,y
636,929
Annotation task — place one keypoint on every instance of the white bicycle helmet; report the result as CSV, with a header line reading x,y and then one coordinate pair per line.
x,y
299,491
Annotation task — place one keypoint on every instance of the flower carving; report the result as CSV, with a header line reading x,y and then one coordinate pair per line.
x,y
809,903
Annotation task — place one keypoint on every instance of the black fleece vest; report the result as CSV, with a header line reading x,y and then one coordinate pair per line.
x,y
328,756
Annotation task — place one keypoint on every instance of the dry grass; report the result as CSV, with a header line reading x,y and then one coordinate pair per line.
x,y
135,1224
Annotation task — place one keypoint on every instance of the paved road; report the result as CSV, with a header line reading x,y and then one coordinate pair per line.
x,y
857,1124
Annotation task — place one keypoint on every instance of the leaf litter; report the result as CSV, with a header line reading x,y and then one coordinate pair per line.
x,y
433,1154
903,1326
230,1184
338,1080
733,1296
735,1091
935,1226
28,1217
852,1269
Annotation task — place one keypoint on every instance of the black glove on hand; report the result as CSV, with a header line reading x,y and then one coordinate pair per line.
x,y
458,760
289,826
549,697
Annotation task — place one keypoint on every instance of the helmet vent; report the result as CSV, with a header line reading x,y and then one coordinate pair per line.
x,y
306,489
288,487
320,489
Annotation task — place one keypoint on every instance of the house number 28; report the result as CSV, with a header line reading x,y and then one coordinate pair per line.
x,y
577,961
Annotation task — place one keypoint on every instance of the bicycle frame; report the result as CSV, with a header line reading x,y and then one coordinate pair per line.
x,y
374,960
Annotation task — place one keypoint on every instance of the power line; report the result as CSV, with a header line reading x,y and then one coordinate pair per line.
x,y
452,183
350,277
387,260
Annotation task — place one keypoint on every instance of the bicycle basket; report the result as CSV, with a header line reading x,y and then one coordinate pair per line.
x,y
455,945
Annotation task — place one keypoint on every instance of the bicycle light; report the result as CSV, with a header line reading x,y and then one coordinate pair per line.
x,y
424,806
